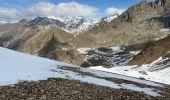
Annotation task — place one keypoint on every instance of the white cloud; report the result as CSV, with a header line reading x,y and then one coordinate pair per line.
x,y
47,9
9,14
114,11
61,9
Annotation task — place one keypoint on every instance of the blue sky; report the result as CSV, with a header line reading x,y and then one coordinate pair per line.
x,y
87,8
102,4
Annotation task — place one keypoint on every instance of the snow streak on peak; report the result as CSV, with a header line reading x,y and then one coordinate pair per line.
x,y
110,18
77,24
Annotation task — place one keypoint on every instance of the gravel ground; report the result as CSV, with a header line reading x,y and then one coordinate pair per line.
x,y
64,89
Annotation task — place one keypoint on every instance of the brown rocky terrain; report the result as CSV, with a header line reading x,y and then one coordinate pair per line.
x,y
53,44
152,51
55,35
70,56
12,35
63,89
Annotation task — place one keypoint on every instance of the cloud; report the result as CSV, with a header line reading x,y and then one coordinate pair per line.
x,y
61,9
9,14
114,11
47,9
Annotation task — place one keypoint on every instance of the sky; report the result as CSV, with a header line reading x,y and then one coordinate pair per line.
x,y
13,10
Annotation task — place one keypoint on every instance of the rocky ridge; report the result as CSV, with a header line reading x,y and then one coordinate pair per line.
x,y
140,23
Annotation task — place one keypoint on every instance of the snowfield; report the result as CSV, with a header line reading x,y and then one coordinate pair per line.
x,y
157,71
161,76
17,67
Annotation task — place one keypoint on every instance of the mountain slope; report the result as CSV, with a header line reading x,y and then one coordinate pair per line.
x,y
11,35
140,23
53,43
41,38
152,51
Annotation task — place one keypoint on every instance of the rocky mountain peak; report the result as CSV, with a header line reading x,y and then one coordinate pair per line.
x,y
160,2
44,21
144,8
23,21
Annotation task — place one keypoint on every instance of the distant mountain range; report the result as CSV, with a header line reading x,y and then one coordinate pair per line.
x,y
74,25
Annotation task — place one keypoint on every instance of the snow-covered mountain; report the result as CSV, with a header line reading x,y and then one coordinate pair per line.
x,y
109,18
3,22
74,25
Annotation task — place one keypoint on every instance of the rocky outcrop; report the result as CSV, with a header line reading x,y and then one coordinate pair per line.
x,y
70,56
160,2
50,46
142,8
56,50
152,51
44,21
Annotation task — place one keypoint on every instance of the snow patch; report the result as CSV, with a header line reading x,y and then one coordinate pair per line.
x,y
110,18
83,50
165,30
161,76
76,25
116,50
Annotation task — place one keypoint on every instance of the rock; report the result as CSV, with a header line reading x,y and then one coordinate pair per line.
x,y
104,49
85,64
64,89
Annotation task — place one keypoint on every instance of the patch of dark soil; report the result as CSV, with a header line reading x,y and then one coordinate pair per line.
x,y
77,70
68,56
96,61
104,49
85,64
